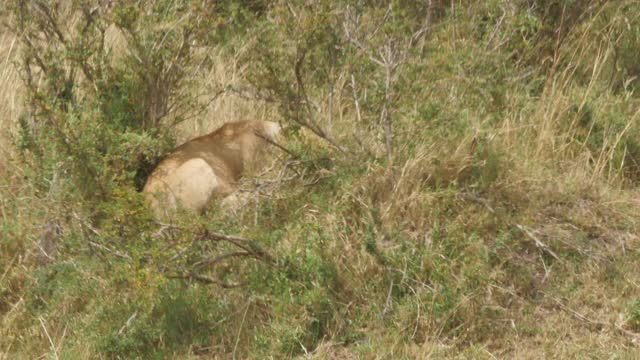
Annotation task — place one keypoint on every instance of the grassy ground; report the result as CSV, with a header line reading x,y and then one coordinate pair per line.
x,y
504,225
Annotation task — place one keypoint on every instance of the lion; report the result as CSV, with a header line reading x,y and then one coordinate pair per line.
x,y
207,167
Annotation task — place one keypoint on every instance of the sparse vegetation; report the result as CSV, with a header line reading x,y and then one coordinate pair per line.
x,y
460,179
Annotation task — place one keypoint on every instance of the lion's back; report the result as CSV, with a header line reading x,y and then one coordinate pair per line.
x,y
206,167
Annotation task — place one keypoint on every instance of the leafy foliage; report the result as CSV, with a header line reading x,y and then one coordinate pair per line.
x,y
96,118
459,179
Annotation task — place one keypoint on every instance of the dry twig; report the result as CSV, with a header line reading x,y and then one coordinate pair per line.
x,y
248,249
542,246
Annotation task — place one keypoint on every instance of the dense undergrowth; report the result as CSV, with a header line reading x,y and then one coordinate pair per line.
x,y
460,181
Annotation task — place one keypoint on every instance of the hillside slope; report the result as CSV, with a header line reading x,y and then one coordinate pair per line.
x,y
460,180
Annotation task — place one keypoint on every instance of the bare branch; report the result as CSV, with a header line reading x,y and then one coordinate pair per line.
x,y
272,142
247,249
240,242
389,57
217,259
302,95
53,24
128,323
542,246
204,279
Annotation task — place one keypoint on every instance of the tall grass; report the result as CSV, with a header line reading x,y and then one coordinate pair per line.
x,y
10,95
496,216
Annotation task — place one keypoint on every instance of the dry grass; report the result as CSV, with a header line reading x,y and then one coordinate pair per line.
x,y
519,240
230,105
10,95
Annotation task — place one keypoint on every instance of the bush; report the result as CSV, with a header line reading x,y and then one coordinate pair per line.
x,y
459,177
101,117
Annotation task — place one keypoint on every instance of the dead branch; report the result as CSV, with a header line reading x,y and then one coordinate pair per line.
x,y
388,304
495,29
191,271
204,279
217,259
128,323
281,147
245,244
84,224
48,13
475,198
539,244
105,248
309,123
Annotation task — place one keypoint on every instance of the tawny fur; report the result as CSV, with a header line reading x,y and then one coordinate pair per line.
x,y
207,167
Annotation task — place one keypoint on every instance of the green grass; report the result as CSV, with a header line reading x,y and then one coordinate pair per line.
x,y
503,225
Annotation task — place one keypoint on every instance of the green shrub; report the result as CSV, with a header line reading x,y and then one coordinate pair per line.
x,y
101,120
459,182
